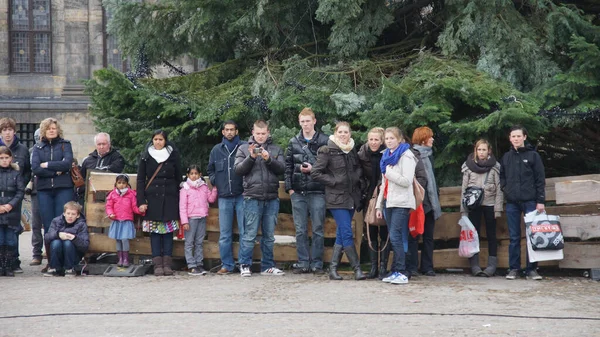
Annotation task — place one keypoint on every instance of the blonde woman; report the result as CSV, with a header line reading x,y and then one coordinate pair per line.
x,y
482,170
51,161
396,198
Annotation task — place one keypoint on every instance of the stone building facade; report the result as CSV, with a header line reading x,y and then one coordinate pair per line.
x,y
47,47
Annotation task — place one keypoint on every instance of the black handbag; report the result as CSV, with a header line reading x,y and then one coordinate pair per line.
x,y
473,196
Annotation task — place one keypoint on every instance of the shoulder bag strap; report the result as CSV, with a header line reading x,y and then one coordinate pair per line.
x,y
486,178
307,151
154,175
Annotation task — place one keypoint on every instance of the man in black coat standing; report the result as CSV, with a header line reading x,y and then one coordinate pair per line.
x,y
307,195
104,158
523,182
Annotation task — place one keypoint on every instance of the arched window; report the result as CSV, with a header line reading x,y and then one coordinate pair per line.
x,y
30,36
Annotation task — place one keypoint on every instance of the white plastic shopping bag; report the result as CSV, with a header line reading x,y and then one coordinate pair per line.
x,y
540,255
469,239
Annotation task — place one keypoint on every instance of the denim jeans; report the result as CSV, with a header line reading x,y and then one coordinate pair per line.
x,y
397,219
8,237
302,206
51,204
194,241
37,239
161,244
514,214
227,208
63,254
263,213
343,220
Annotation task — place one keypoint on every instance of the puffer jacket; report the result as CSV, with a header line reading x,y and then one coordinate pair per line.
x,y
59,156
296,155
341,173
77,228
12,191
162,196
492,194
522,176
21,157
193,201
261,179
400,183
122,206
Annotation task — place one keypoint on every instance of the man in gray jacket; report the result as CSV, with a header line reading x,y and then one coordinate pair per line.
x,y
259,162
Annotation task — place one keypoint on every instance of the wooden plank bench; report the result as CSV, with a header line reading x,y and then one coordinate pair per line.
x,y
99,184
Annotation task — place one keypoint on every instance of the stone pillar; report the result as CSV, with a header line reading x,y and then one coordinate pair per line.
x,y
76,40
96,36
4,56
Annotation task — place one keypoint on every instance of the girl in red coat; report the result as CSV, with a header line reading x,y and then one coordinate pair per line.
x,y
120,206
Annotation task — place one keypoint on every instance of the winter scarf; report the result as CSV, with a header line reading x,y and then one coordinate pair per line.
x,y
392,158
195,184
160,155
481,166
346,148
231,144
432,192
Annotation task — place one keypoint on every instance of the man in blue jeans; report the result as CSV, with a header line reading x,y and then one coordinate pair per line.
x,y
307,195
523,182
260,162
222,174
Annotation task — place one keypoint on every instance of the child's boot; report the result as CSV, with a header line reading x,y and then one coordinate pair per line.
x,y
167,265
125,255
120,255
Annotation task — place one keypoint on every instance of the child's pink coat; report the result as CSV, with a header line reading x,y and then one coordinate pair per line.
x,y
122,206
193,201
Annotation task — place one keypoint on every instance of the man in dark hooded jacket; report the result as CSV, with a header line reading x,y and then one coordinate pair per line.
x,y
523,182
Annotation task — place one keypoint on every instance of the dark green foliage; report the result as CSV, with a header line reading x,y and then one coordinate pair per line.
x,y
362,61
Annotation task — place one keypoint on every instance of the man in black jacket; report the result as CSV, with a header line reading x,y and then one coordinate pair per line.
x,y
523,182
222,174
8,126
104,158
307,195
260,162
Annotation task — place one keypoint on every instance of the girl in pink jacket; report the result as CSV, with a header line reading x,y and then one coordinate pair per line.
x,y
121,204
194,198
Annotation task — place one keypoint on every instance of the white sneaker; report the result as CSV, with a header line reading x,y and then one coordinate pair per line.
x,y
391,277
400,279
51,272
273,271
245,271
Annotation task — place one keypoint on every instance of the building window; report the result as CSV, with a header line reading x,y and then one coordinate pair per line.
x,y
30,36
25,132
113,55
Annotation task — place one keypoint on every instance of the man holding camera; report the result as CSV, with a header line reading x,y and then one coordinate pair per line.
x,y
307,195
259,162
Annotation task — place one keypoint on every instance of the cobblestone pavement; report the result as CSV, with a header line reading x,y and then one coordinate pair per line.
x,y
294,305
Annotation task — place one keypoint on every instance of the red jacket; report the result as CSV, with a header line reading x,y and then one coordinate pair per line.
x,y
122,206
193,201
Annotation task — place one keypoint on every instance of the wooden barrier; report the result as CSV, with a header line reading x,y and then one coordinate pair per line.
x,y
579,222
99,184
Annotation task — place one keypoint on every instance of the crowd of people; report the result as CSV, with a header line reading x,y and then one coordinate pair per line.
x,y
322,173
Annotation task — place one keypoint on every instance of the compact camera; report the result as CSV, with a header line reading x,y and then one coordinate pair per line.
x,y
257,150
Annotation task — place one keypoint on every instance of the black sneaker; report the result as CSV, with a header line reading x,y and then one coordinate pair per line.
x,y
194,272
51,272
297,269
17,270
533,275
318,271
512,274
